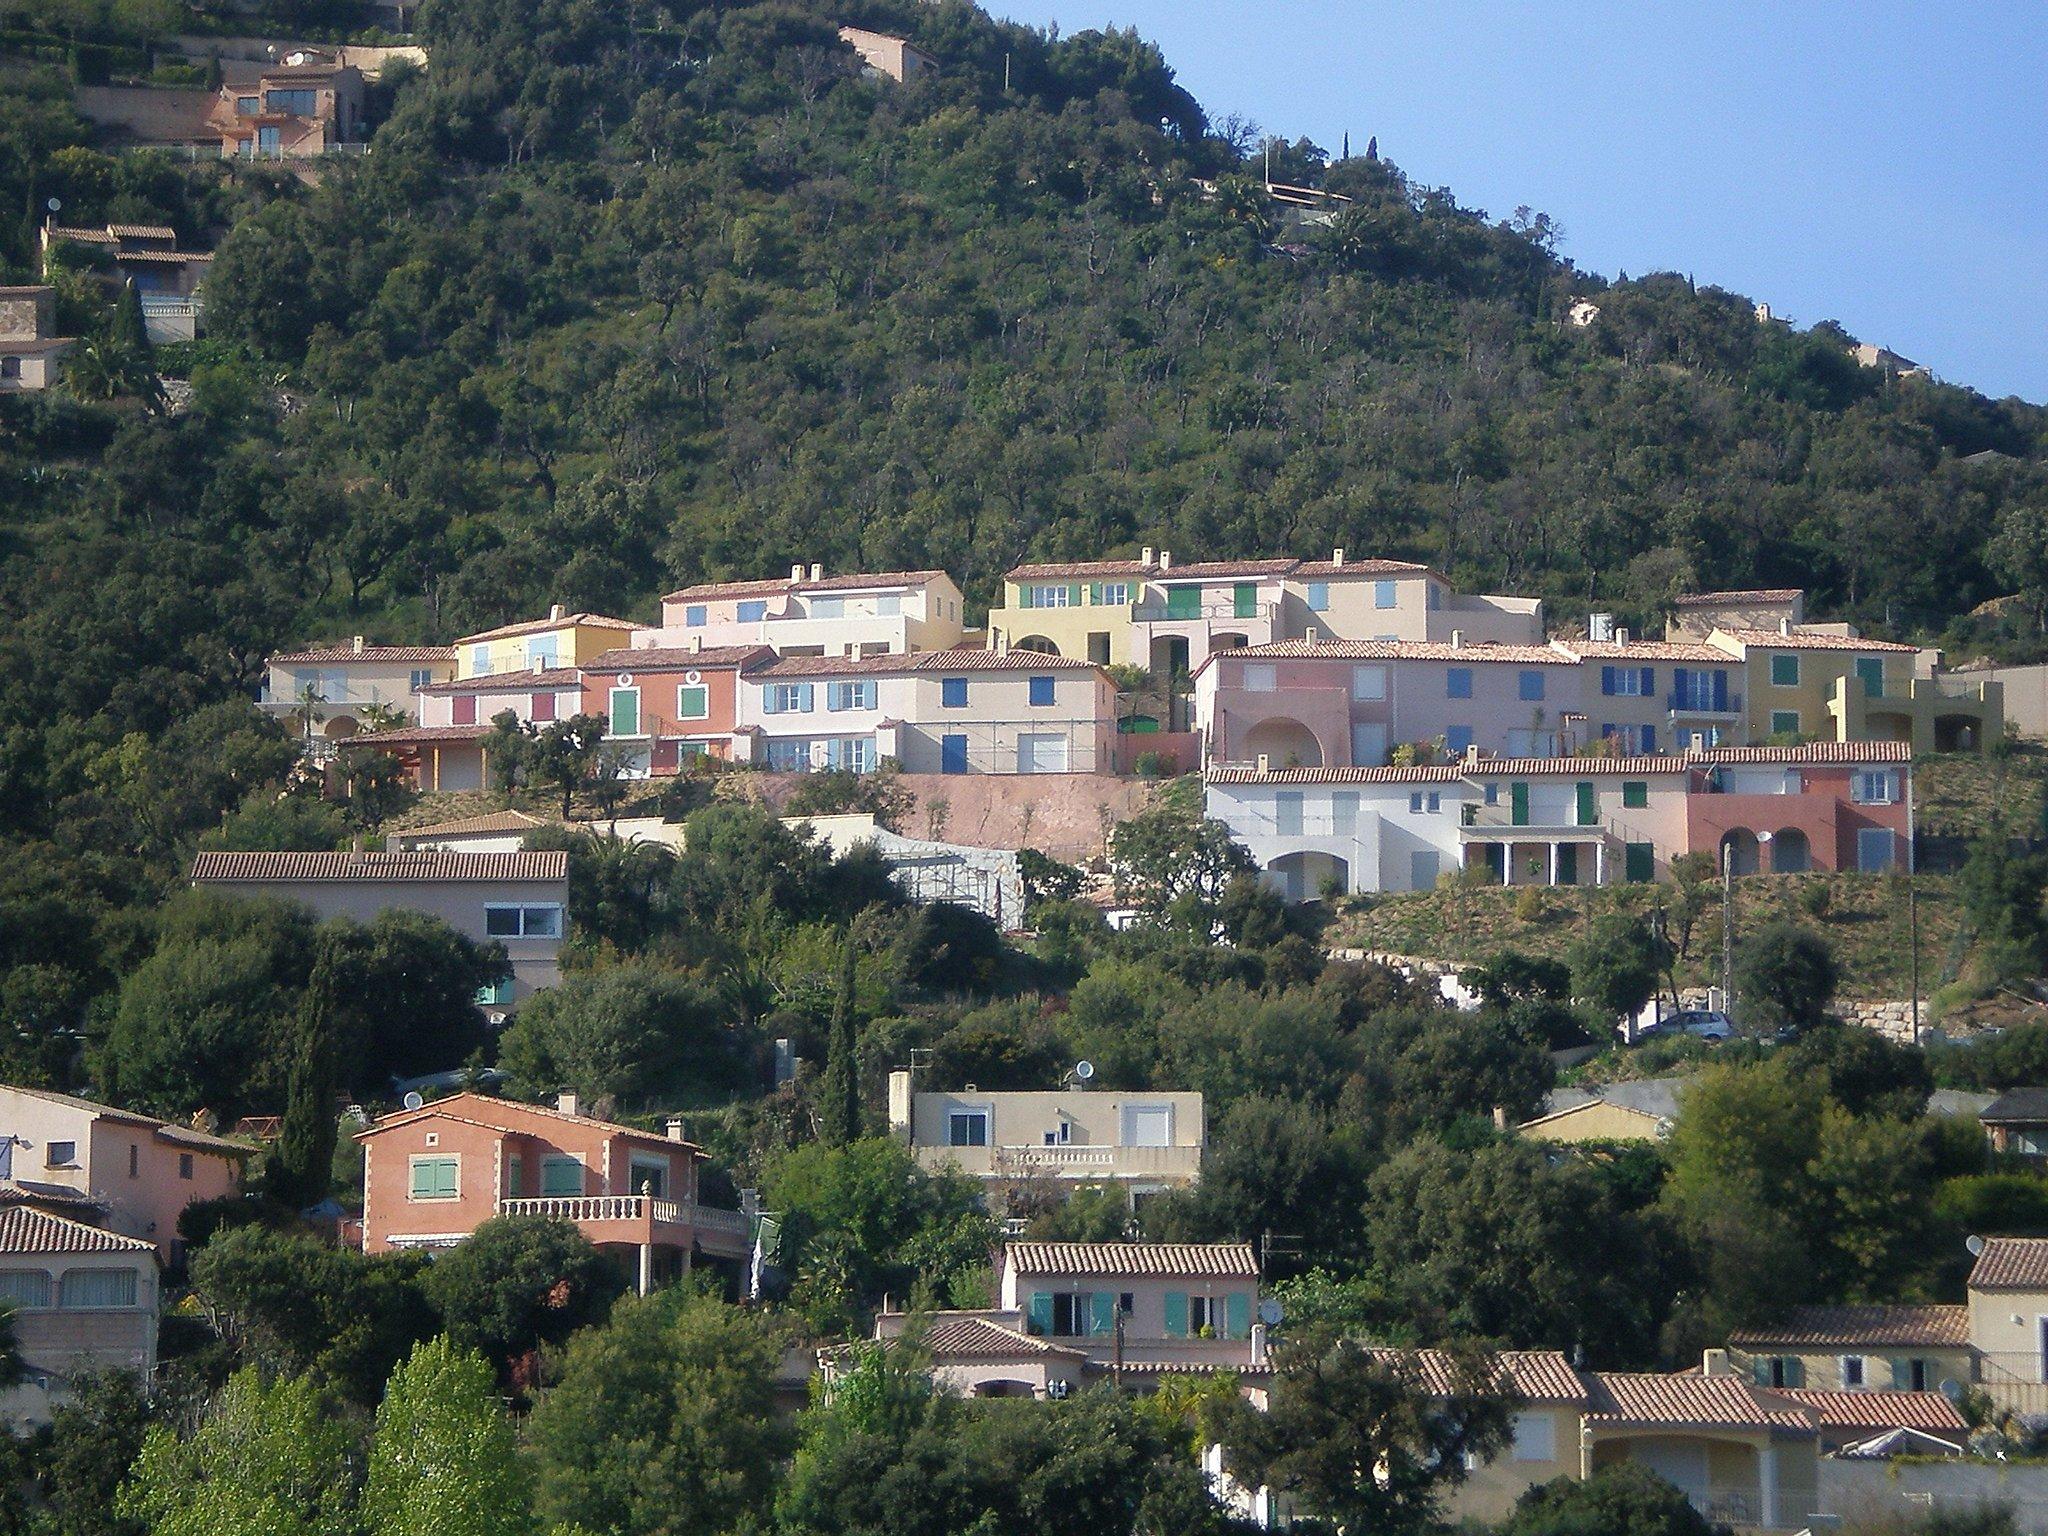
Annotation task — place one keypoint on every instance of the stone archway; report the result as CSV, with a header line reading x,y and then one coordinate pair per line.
x,y
1284,742
1791,853
1038,643
1740,851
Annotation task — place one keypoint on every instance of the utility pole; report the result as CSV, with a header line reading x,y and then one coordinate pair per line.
x,y
1728,929
1913,941
1116,1359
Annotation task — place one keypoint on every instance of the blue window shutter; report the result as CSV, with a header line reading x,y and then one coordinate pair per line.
x,y
1721,691
1679,694
1237,1315
1607,680
1102,1312
810,697
1649,682
1038,1312
1176,1314
1649,740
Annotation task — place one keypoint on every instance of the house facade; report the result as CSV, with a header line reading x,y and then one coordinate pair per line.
x,y
561,641
84,1300
324,690
140,1172
957,711
519,900
2016,1123
665,706
168,281
1140,1143
432,1176
31,351
1823,806
1832,685
305,104
812,614
893,58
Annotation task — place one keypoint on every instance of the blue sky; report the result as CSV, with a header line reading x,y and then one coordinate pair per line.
x,y
1880,164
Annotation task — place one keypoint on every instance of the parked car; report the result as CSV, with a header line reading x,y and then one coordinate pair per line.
x,y
1706,1023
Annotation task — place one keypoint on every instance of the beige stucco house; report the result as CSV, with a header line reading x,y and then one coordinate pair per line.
x,y
519,900
84,1301
812,614
323,691
1141,1143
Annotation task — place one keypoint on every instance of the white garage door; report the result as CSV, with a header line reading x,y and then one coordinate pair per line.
x,y
1041,752
1148,1125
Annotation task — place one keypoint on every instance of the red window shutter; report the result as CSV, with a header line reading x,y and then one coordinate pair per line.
x,y
543,706
464,706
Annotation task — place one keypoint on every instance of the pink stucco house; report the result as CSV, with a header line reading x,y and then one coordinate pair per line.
x,y
432,1176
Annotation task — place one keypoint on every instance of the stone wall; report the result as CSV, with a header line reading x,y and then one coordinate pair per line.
x,y
1893,1020
1064,815
25,313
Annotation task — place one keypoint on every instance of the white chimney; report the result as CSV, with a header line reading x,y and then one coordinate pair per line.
x,y
556,611
796,572
1146,557
817,573
540,665
1621,635
901,1100
359,645
566,1102
1337,555
1784,626
1166,559
1715,1362
674,1128
1457,638
1472,752
1265,763
696,643
1311,634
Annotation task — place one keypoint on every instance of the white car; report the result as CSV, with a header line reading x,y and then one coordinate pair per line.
x,y
1706,1023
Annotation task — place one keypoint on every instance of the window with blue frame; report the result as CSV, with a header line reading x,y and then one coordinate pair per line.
x,y
953,692
1041,692
1384,594
1628,682
695,616
1318,596
1457,682
1457,739
851,695
1530,684
753,612
788,698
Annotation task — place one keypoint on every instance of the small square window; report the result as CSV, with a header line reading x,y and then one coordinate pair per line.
x,y
694,616
1635,794
953,692
1530,685
1383,594
1784,722
693,702
62,1154
1784,671
1041,692
1458,682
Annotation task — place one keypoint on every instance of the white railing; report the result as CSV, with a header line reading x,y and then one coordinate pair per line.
x,y
1061,1157
712,1219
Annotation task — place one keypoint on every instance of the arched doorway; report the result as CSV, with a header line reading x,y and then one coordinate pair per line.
x,y
1004,1389
340,728
1791,854
1037,643
1284,743
1303,876
1957,733
1739,851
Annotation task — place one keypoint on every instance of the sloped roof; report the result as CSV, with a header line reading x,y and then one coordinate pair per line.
x,y
1059,569
1475,652
2019,1106
1224,1260
1809,752
1573,767
1654,1097
651,658
1645,650
24,1229
420,864
1441,773
1737,596
1880,1410
541,626
491,821
330,653
2011,1264
772,586
509,682
417,736
1198,570
1808,640
1634,1397
1367,567
184,1135
1803,1327
1535,1375
481,1109
977,1338
962,660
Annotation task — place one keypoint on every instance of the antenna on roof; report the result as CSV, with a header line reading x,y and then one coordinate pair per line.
x,y
415,1100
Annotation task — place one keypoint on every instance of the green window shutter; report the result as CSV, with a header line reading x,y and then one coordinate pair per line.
x,y
1102,1312
1902,1375
1244,600
1567,863
1589,805
1183,602
1760,1370
1176,1314
1038,1313
1785,671
1074,595
1640,862
1237,1315
1095,594
1635,794
1795,1371
1518,804
625,712
1871,670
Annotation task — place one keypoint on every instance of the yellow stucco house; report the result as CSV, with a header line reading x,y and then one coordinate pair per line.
x,y
1830,685
562,639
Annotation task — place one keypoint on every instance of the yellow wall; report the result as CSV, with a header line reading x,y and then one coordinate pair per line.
x,y
1824,1367
1490,1491
574,645
1069,628
1819,672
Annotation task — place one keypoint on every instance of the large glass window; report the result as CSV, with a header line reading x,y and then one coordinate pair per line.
x,y
1059,596
753,611
298,103
967,1128
25,1287
534,922
85,1289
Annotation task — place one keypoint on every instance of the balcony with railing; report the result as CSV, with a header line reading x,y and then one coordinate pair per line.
x,y
1085,1163
1703,704
1221,611
641,1220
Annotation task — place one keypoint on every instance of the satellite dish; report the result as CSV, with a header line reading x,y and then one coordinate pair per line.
x,y
1270,1312
1952,1389
1084,1070
55,205
415,1100
1975,1244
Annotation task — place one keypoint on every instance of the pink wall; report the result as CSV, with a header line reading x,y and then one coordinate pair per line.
x,y
1823,811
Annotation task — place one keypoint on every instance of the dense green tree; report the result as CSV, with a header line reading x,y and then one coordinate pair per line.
x,y
627,1031
521,1283
1624,1499
1864,1072
445,1458
1617,964
95,1437
1785,977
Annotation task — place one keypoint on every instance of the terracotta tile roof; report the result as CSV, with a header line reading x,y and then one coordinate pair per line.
x,y
1062,569
479,1109
424,864
35,1192
655,658
541,626
1534,1375
976,1338
1737,595
1941,1326
82,236
417,736
1879,1410
1807,640
2011,1264
922,661
1224,1260
1475,653
23,1229
1202,569
1183,1367
1625,1397
1646,650
851,582
509,682
1820,752
492,821
168,258
1324,568
2017,1106
1438,774
1573,767
143,231
326,653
